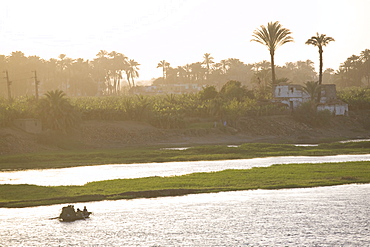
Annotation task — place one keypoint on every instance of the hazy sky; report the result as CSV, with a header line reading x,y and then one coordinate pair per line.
x,y
181,31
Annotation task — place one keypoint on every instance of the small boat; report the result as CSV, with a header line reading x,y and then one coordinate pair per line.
x,y
70,214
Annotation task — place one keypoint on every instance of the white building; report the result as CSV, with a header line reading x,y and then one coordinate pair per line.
x,y
293,96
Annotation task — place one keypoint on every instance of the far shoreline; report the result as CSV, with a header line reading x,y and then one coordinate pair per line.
x,y
157,154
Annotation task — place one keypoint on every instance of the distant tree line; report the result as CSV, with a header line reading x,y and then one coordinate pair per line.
x,y
110,73
103,75
355,71
113,74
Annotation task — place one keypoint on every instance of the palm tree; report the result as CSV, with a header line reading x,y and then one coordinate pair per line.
x,y
81,81
272,36
102,53
187,69
101,70
313,89
225,63
181,73
365,56
56,111
197,71
320,40
132,71
118,63
208,60
64,65
164,65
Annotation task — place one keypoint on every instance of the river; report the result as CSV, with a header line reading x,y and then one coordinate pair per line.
x,y
323,216
84,174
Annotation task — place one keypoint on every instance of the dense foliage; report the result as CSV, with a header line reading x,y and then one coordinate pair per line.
x,y
356,98
164,111
228,105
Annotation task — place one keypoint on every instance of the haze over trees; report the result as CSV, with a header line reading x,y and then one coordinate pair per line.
x,y
112,73
75,77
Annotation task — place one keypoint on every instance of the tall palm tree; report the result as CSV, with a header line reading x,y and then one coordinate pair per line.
x,y
197,71
101,69
102,53
164,65
187,69
181,73
118,63
320,40
64,65
365,56
208,60
272,36
225,63
132,71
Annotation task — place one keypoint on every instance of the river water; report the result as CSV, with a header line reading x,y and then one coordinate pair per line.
x,y
84,174
323,216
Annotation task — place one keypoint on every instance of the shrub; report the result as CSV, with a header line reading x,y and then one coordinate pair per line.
x,y
308,114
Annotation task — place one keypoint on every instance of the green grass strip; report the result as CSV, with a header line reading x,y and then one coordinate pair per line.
x,y
274,177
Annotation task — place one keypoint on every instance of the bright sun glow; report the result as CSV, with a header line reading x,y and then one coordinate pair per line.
x,y
181,31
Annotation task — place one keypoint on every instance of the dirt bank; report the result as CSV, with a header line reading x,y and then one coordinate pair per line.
x,y
118,134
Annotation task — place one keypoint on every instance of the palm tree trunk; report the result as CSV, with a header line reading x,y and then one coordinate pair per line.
x,y
164,69
320,69
272,67
320,77
128,79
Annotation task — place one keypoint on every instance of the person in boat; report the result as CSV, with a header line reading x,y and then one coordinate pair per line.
x,y
85,210
79,213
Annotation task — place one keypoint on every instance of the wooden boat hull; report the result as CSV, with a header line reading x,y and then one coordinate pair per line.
x,y
77,217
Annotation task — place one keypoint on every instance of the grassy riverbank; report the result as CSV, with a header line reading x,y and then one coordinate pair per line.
x,y
156,154
274,177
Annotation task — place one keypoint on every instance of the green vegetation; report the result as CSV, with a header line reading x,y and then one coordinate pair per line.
x,y
356,98
163,111
155,154
274,177
231,103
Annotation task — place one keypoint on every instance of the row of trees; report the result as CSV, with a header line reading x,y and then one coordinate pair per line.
x,y
355,70
101,76
109,72
216,74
